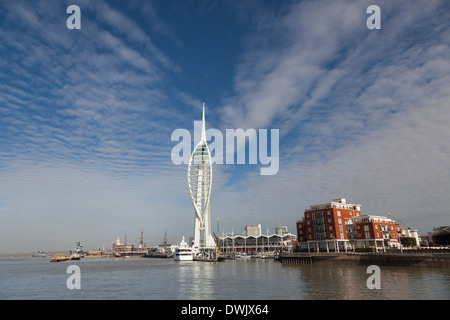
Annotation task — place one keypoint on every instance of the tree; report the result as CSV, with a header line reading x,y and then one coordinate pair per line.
x,y
408,241
441,238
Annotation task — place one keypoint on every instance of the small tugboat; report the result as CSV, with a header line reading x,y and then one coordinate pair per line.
x,y
59,258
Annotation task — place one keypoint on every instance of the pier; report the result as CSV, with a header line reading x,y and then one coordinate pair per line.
x,y
295,258
400,259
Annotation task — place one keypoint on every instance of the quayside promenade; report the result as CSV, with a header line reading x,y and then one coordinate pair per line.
x,y
420,259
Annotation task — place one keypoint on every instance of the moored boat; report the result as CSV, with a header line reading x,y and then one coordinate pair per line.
x,y
183,252
59,258
77,252
130,254
39,254
158,253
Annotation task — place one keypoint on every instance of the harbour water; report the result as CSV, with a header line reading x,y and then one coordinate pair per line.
x,y
241,279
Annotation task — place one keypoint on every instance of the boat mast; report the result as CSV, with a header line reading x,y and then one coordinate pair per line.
x,y
142,238
165,239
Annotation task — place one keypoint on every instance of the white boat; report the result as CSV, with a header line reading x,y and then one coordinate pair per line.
x,y
40,255
183,252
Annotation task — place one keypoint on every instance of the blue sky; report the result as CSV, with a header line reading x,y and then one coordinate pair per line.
x,y
86,116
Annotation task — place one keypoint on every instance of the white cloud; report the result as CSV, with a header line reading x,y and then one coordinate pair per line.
x,y
85,116
361,113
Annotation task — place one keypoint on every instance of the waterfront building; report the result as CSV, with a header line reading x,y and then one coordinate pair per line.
x,y
257,243
199,183
117,246
410,233
253,230
376,229
282,230
339,226
325,223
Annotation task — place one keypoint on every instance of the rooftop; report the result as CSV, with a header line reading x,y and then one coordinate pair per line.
x,y
339,203
370,218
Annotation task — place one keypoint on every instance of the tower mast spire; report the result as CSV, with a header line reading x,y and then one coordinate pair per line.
x,y
203,138
199,183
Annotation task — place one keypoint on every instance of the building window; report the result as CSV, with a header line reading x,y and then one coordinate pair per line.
x,y
341,229
366,232
330,227
338,213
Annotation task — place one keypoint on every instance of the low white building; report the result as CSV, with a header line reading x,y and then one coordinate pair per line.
x,y
257,242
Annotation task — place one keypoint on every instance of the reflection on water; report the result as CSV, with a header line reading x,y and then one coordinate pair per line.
x,y
196,280
349,282
155,279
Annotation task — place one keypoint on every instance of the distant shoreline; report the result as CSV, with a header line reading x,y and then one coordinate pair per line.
x,y
30,254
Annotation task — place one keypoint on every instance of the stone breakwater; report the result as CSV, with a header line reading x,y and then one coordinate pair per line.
x,y
419,260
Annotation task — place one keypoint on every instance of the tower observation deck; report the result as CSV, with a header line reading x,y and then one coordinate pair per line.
x,y
199,183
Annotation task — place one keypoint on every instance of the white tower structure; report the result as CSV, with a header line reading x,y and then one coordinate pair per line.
x,y
199,182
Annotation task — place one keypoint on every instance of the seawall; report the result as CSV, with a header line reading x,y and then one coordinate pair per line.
x,y
419,260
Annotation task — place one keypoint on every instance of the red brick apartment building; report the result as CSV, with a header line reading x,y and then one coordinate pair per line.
x,y
376,227
327,221
338,225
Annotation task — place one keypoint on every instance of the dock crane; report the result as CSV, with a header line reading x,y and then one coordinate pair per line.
x,y
401,224
407,231
398,221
